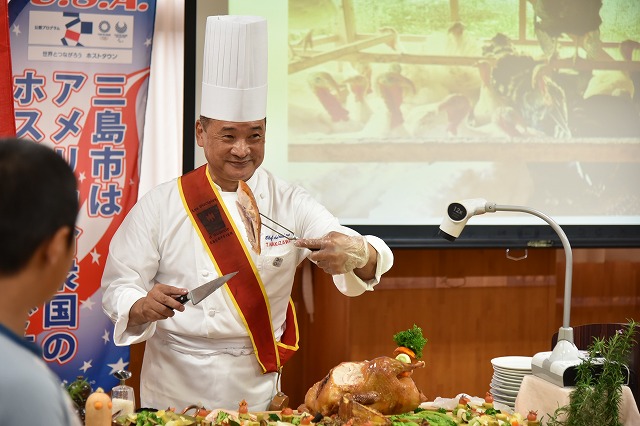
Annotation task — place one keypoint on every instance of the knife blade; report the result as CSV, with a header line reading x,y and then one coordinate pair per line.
x,y
198,294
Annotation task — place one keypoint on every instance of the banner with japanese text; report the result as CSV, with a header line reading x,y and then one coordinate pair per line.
x,y
7,122
80,80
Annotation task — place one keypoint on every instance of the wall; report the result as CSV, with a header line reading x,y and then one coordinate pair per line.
x,y
205,8
472,304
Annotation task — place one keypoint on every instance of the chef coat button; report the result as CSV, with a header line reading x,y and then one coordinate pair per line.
x,y
262,196
212,313
205,273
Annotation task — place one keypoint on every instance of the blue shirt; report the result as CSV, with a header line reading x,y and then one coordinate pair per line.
x,y
30,392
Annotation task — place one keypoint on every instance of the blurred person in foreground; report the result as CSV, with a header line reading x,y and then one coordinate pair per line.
x,y
232,345
38,210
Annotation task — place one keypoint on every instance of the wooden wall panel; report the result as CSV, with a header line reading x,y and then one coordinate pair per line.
x,y
135,364
473,305
468,303
606,286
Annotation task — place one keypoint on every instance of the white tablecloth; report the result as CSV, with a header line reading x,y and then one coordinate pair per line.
x,y
544,397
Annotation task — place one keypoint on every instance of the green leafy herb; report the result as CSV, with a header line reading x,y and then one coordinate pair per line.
x,y
412,339
148,418
596,398
79,390
221,417
433,418
403,423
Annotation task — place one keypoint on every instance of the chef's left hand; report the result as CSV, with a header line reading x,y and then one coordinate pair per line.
x,y
337,253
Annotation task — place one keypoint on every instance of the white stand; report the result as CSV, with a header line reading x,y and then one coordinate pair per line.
x,y
557,366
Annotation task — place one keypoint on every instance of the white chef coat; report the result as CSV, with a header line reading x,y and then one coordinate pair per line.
x,y
204,355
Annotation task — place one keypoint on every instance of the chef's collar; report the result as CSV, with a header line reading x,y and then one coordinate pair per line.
x,y
251,182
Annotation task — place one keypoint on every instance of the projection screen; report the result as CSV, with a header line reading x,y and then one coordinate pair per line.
x,y
387,111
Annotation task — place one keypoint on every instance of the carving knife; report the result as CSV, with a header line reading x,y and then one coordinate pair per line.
x,y
198,294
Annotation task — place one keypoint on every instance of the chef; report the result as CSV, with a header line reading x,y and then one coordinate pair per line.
x,y
230,346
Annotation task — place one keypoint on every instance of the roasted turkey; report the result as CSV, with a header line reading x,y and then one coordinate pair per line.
x,y
381,384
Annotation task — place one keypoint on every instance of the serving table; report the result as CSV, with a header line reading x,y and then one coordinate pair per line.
x,y
544,397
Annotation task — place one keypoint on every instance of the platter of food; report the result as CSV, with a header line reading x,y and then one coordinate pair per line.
x,y
467,411
376,392
150,417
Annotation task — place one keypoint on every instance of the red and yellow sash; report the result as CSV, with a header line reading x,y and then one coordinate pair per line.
x,y
229,253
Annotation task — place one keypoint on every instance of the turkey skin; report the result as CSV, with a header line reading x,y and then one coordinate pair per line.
x,y
381,384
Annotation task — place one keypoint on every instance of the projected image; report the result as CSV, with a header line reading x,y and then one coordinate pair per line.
x,y
536,102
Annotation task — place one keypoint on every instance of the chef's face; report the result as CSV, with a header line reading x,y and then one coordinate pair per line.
x,y
234,150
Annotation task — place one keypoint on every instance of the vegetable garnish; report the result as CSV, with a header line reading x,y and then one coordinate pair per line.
x,y
411,339
432,417
403,350
404,358
274,417
222,416
464,400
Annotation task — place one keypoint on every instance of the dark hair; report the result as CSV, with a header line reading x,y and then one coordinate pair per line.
x,y
205,121
38,196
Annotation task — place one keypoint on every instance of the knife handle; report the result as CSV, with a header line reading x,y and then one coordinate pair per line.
x,y
183,299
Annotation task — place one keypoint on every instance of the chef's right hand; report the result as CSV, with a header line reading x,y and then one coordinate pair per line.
x,y
158,304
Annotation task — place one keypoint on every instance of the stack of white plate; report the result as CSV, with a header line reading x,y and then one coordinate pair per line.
x,y
508,372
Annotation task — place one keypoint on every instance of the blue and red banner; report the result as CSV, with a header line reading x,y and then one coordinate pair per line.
x,y
80,78
7,123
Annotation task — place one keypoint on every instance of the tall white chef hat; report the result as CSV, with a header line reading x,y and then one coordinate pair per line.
x,y
234,77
